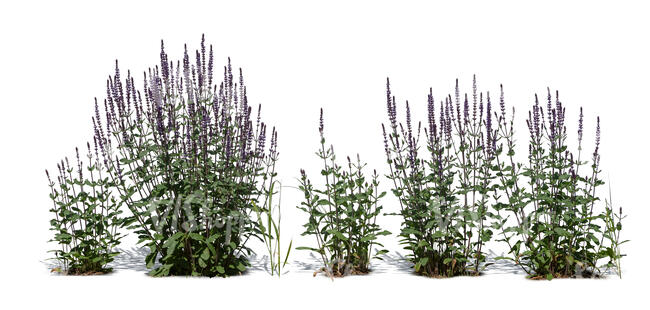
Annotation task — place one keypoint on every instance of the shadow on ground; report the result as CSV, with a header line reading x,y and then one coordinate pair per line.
x,y
395,262
131,259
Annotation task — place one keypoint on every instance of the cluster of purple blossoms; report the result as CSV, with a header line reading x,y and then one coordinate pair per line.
x,y
184,113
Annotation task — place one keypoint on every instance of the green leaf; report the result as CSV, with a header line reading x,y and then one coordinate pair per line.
x,y
205,255
338,234
241,267
150,259
196,237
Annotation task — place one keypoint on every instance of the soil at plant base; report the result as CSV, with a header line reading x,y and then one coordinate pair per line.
x,y
74,273
561,276
354,272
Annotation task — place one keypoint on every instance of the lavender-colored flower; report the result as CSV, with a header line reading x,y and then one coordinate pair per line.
x,y
560,112
273,150
474,97
390,106
549,107
96,148
457,95
596,149
466,111
409,137
431,116
79,165
502,104
449,118
580,129
202,58
321,125
210,66
480,106
488,125
383,129
199,66
262,140
553,127
408,121
536,118
164,65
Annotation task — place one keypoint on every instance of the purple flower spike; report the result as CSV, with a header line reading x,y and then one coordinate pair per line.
x,y
580,129
502,104
596,149
390,106
488,125
431,115
321,125
466,110
383,129
474,98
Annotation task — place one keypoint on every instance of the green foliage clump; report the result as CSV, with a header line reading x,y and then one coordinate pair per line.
x,y
443,189
86,216
191,162
557,229
342,215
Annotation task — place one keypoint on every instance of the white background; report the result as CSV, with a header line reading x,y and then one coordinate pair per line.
x,y
298,57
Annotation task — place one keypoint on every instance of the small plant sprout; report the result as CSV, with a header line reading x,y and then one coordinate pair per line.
x,y
342,214
612,233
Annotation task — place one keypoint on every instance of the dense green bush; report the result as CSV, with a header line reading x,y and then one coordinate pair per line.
x,y
469,183
190,162
558,230
443,189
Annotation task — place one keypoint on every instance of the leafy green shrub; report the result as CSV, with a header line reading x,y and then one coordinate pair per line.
x,y
444,189
342,215
86,216
557,230
190,162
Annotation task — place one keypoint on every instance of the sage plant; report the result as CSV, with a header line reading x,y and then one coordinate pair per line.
x,y
190,161
443,183
547,206
86,215
342,214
